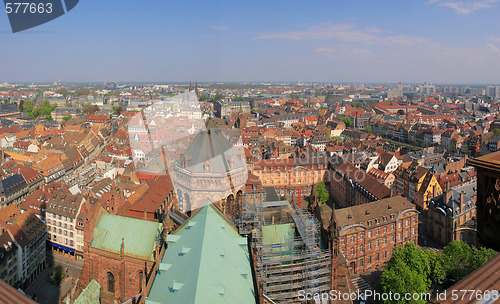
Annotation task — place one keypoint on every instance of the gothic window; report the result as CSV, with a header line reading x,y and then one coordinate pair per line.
x,y
111,282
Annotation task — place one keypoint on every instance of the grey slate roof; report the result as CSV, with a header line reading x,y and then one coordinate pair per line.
x,y
211,145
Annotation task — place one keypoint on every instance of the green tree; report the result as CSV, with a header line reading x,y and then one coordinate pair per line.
x,y
347,121
66,118
28,107
48,117
321,192
437,263
407,271
459,254
204,97
369,129
217,97
464,259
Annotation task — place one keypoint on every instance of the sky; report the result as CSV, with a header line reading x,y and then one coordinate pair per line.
x,y
362,41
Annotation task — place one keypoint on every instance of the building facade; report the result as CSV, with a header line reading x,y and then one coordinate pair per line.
x,y
452,216
367,234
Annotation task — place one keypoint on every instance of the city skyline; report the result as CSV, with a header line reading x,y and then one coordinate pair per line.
x,y
359,41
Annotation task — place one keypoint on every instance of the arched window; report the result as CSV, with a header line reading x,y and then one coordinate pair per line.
x,y
140,280
111,282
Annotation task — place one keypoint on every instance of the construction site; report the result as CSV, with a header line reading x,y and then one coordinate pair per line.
x,y
287,250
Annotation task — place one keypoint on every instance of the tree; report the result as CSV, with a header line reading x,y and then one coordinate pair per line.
x,y
204,97
89,108
347,121
369,129
464,259
437,263
117,110
459,254
48,117
82,92
406,272
321,192
217,97
28,107
66,118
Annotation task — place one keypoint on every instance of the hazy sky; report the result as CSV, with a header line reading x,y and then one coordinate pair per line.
x,y
436,41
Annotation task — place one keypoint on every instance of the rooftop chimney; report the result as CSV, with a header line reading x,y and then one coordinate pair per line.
x,y
447,196
462,194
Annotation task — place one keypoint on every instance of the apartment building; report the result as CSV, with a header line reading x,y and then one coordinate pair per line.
x,y
288,175
367,234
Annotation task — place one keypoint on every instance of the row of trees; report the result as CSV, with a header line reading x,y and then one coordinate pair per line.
x,y
43,109
411,270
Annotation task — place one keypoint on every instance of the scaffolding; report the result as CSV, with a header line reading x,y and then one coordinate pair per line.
x,y
284,269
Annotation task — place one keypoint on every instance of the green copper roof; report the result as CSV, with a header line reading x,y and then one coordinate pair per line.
x,y
90,295
206,262
139,236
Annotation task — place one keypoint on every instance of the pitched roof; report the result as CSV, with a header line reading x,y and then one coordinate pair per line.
x,y
359,214
139,236
366,181
89,295
217,259
211,145
9,294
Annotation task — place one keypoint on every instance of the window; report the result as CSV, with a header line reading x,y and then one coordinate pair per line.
x,y
361,263
369,234
385,229
406,233
352,250
369,260
407,222
385,254
385,240
111,282
399,235
353,239
361,249
377,243
399,225
377,232
140,280
413,230
342,241
392,227
392,238
369,245
361,236
377,221
377,257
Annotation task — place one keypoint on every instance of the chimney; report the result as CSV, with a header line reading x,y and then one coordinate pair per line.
x,y
447,195
462,194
